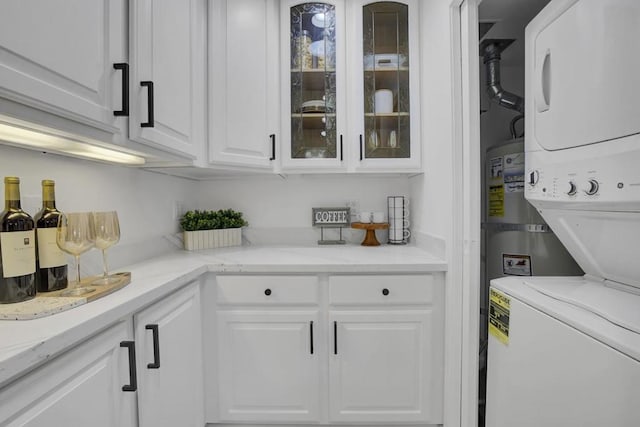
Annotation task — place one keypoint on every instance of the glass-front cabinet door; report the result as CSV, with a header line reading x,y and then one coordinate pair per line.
x,y
385,107
313,112
350,90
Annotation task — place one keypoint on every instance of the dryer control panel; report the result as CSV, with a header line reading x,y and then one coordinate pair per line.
x,y
606,182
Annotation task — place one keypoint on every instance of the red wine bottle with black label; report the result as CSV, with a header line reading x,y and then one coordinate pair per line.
x,y
51,262
17,248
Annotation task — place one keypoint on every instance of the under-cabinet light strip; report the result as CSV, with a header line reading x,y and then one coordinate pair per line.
x,y
48,142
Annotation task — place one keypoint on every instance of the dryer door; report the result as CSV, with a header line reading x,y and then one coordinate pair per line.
x,y
583,72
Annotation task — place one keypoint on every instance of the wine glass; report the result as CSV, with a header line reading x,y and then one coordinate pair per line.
x,y
75,235
107,234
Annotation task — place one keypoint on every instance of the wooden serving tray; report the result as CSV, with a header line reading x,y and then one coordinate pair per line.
x,y
48,303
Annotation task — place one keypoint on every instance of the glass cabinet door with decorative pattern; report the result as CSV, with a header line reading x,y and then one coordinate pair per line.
x,y
313,113
386,88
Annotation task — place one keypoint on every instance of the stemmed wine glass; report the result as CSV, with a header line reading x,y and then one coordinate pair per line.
x,y
75,235
107,230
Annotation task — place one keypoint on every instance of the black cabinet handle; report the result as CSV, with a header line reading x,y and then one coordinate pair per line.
x,y
311,335
156,347
267,292
341,154
133,378
150,120
273,146
385,292
361,148
124,67
335,337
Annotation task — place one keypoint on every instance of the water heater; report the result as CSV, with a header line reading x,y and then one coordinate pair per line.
x,y
518,240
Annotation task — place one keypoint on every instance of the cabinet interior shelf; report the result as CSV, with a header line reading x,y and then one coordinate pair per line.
x,y
386,69
314,80
375,149
384,115
314,70
312,115
314,120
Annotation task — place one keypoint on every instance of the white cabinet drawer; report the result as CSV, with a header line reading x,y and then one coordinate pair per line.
x,y
381,290
267,290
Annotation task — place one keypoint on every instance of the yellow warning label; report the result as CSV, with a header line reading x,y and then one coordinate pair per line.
x,y
499,308
496,200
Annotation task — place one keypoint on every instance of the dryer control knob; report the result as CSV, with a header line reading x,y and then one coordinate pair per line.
x,y
534,177
572,189
592,187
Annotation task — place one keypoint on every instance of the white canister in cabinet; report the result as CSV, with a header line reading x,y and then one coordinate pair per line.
x,y
384,101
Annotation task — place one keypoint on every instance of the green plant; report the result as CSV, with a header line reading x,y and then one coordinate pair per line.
x,y
212,220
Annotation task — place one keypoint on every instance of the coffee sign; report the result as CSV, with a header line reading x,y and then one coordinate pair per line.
x,y
331,217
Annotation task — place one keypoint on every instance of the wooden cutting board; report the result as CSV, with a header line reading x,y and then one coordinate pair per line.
x,y
46,304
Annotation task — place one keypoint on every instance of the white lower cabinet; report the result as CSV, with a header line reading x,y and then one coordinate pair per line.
x,y
343,349
111,380
83,387
169,361
269,370
386,364
379,367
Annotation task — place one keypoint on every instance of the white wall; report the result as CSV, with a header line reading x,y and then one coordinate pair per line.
x,y
143,200
431,193
272,202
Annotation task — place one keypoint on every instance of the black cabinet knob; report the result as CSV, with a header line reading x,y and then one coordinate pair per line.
x,y
385,292
267,292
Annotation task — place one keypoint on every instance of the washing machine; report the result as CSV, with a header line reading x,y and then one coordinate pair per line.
x,y
563,351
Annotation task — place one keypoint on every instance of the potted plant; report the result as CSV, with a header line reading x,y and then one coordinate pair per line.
x,y
212,229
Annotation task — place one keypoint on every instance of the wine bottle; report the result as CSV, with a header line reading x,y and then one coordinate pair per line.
x,y
17,248
51,263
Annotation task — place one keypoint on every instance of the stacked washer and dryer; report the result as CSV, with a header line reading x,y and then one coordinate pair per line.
x,y
565,351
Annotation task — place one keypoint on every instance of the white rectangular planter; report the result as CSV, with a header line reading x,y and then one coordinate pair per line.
x,y
207,239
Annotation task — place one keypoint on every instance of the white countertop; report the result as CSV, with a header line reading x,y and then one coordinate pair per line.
x,y
25,344
321,259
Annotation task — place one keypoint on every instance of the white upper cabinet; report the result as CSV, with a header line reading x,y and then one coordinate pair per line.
x,y
167,74
59,56
281,86
383,81
130,74
244,95
313,85
350,86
